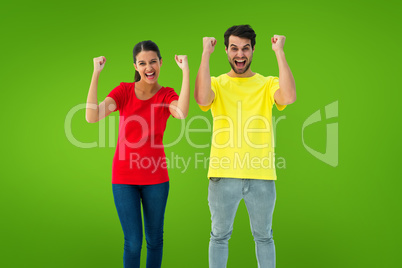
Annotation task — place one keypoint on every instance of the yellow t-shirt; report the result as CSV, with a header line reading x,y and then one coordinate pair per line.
x,y
242,138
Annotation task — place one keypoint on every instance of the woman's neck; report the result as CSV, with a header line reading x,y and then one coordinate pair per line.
x,y
147,88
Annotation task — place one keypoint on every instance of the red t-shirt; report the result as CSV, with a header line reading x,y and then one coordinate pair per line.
x,y
140,157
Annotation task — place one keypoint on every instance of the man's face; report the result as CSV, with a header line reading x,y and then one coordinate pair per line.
x,y
240,54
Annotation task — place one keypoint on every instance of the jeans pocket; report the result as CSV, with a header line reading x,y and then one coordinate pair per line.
x,y
215,179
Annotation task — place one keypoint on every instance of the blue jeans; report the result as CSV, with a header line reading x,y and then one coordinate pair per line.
x,y
128,199
224,196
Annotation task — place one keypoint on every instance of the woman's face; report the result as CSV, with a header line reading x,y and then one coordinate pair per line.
x,y
148,65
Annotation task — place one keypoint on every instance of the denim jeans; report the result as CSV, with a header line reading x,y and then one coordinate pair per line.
x,y
224,196
128,199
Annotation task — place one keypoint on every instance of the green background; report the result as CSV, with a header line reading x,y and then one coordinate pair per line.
x,y
56,200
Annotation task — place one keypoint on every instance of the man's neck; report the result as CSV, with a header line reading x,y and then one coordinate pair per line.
x,y
248,73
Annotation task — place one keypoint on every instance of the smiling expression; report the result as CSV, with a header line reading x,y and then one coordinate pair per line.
x,y
148,65
240,54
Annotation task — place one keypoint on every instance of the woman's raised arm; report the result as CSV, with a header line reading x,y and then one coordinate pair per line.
x,y
95,112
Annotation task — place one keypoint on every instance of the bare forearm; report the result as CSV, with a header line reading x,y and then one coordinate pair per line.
x,y
286,81
202,90
92,108
184,98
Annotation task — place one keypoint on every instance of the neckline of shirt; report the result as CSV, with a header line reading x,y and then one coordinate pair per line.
x,y
254,76
157,92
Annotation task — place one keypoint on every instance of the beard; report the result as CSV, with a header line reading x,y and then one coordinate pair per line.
x,y
234,67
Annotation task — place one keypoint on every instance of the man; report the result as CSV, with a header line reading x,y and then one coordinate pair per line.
x,y
242,162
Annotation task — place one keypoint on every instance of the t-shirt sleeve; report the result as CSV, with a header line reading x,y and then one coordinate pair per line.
x,y
118,94
170,96
273,87
214,86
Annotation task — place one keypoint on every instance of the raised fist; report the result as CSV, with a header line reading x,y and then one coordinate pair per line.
x,y
99,63
278,42
209,44
182,61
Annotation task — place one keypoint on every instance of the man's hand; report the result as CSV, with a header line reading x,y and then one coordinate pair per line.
x,y
99,63
209,44
278,42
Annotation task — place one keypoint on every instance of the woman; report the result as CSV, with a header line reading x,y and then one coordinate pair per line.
x,y
139,173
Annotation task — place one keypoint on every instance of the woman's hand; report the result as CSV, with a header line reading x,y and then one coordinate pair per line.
x,y
182,61
99,63
179,108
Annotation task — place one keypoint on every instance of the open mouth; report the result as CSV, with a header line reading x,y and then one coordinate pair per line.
x,y
240,63
150,75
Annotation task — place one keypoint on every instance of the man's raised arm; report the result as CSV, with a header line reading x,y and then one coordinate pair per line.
x,y
287,87
203,93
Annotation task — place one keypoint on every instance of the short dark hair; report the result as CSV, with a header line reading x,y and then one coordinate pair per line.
x,y
147,45
243,31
